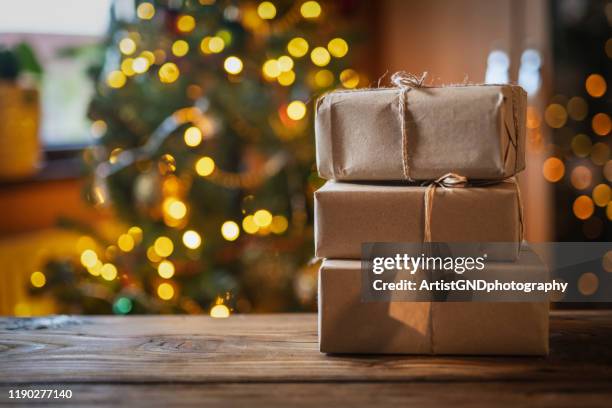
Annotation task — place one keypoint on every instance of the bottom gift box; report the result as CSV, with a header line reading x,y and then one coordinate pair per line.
x,y
349,325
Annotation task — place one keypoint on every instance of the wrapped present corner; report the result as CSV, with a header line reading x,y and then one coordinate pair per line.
x,y
347,324
421,133
349,214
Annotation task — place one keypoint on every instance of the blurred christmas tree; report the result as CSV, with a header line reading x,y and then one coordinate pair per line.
x,y
203,117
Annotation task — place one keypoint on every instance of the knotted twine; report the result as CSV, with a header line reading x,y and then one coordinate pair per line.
x,y
405,82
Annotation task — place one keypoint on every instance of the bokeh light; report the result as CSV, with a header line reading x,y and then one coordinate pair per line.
x,y
337,47
602,195
205,166
601,124
553,169
600,153
127,46
296,110
577,108
38,279
125,242
581,177
191,239
108,271
262,218
168,73
230,230
165,269
185,23
266,10
219,312
310,9
165,291
116,79
89,258
297,47
279,224
320,56
145,11
555,115
324,78
595,85
583,207
163,246
180,48
581,145
349,78
192,136
233,65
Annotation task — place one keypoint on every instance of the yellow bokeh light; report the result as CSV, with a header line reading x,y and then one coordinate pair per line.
x,y
297,47
116,79
145,11
279,224
581,177
583,207
152,255
533,118
601,124
262,218
165,291
180,48
205,166
192,136
127,67
127,46
230,230
349,78
163,246
220,312
286,78
140,65
271,69
285,63
233,65
212,45
89,258
324,78
602,195
191,239
555,115
95,269
125,242
577,108
108,272
175,208
320,56
168,72
595,85
553,169
248,225
185,23
296,110
266,10
136,233
165,269
581,145
38,279
310,9
149,56
338,47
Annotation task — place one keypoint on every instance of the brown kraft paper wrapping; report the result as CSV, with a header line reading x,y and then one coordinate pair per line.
x,y
348,325
477,131
349,214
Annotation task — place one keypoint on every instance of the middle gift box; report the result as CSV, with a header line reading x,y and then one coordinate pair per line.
x,y
350,214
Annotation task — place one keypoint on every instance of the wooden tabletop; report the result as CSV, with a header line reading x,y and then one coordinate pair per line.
x,y
268,360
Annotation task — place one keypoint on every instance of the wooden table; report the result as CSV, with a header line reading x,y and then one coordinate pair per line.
x,y
267,360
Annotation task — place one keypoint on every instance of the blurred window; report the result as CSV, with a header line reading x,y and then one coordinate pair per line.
x,y
51,28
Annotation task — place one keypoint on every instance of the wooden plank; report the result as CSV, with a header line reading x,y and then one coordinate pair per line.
x,y
271,348
423,395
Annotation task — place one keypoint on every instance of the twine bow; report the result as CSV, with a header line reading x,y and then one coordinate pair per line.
x,y
449,180
405,82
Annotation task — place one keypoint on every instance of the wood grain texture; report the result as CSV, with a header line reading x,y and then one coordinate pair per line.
x,y
195,358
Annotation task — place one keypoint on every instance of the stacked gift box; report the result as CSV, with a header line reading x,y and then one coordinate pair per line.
x,y
381,151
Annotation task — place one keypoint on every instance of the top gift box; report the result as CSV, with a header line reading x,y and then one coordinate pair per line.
x,y
415,132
